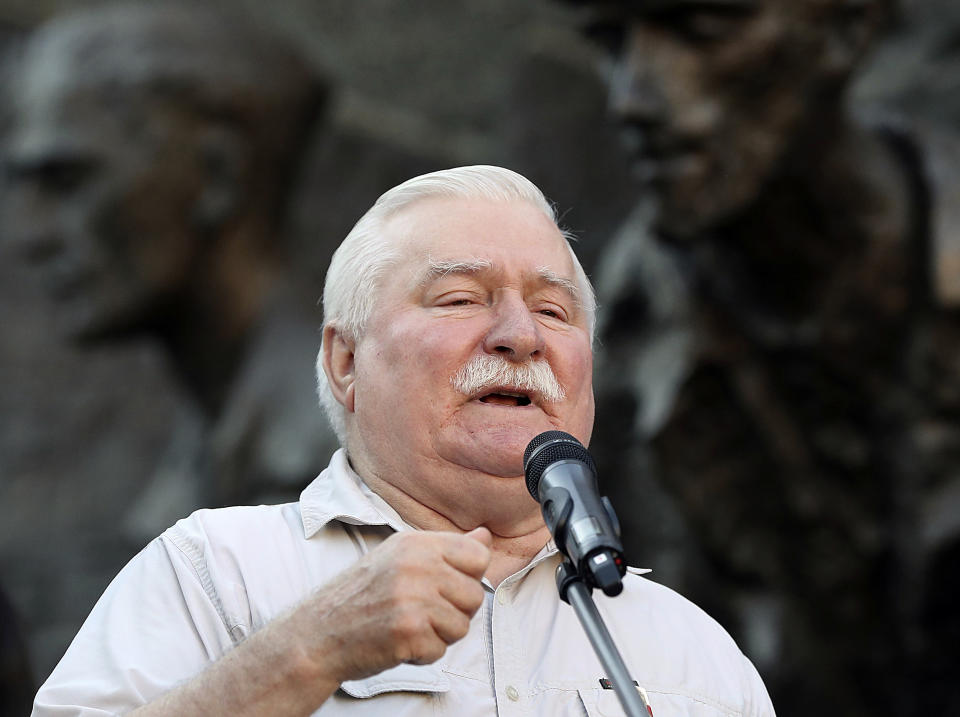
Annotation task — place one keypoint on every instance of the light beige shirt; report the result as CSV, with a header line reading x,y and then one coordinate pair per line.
x,y
216,577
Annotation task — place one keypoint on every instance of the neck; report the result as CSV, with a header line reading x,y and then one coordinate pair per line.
x,y
505,509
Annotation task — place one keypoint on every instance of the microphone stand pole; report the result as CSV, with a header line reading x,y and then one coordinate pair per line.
x,y
575,592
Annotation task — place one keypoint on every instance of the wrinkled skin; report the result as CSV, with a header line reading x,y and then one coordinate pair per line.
x,y
410,432
405,601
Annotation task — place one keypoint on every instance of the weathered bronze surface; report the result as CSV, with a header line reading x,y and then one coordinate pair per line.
x,y
780,347
152,151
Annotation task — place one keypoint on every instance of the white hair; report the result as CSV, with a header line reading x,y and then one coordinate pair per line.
x,y
366,254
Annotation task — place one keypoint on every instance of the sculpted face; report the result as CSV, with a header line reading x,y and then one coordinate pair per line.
x,y
100,200
712,93
477,280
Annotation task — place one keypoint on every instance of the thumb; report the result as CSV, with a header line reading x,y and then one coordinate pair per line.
x,y
481,535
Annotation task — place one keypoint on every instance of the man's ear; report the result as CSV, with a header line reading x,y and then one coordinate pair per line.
x,y
338,364
223,158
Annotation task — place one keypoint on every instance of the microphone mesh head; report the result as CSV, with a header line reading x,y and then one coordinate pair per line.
x,y
548,448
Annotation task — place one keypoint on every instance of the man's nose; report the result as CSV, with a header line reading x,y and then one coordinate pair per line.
x,y
515,333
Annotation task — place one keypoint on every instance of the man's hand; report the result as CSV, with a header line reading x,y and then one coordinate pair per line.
x,y
405,601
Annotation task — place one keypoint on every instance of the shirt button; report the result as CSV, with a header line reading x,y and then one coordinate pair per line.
x,y
502,597
512,693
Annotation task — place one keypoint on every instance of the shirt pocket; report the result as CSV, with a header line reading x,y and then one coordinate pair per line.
x,y
401,691
599,702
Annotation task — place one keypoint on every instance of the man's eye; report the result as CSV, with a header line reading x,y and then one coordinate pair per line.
x,y
456,301
553,313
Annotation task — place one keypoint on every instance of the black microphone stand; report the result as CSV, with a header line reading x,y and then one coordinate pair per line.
x,y
574,591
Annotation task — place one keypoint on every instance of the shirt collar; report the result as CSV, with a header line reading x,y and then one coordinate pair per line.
x,y
338,493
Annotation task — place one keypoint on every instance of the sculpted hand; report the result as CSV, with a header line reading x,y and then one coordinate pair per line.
x,y
405,601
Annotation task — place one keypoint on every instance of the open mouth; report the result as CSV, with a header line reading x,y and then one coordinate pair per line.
x,y
506,399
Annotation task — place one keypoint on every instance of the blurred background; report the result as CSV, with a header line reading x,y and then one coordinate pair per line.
x,y
110,431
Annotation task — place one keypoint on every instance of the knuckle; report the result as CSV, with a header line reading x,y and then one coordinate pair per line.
x,y
408,626
468,554
431,650
402,545
478,555
475,597
422,651
410,551
407,538
460,629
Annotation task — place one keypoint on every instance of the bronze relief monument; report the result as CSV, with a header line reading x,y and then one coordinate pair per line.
x,y
152,155
780,333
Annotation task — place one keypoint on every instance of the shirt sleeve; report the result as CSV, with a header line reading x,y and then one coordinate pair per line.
x,y
756,699
156,625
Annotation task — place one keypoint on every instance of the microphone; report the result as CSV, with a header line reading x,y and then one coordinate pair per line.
x,y
562,478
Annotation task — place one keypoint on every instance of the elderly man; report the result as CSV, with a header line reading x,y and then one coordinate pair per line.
x,y
415,575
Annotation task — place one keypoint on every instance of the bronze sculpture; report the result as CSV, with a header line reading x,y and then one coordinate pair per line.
x,y
152,153
780,337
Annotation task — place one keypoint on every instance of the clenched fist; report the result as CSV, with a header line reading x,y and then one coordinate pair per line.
x,y
405,601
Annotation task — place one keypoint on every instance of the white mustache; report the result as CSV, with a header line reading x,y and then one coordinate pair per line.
x,y
485,371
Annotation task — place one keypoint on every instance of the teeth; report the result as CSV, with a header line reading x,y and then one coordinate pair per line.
x,y
522,399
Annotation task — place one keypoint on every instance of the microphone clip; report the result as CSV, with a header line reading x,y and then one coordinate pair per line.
x,y
603,566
